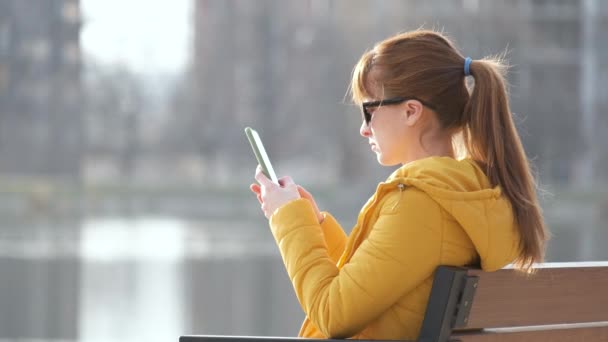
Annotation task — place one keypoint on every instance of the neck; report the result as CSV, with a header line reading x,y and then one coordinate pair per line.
x,y
434,148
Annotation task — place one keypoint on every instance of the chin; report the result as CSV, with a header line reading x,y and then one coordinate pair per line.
x,y
386,161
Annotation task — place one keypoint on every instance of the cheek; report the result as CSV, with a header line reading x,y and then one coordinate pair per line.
x,y
391,134
387,129
393,140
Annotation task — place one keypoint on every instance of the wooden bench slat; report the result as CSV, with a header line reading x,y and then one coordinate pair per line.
x,y
554,295
588,333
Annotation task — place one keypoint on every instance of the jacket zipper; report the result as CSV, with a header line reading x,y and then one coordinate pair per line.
x,y
379,193
401,188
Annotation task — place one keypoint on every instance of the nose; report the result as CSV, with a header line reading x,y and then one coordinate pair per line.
x,y
364,130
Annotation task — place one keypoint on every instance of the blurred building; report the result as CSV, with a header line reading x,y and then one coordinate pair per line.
x,y
284,67
566,64
40,136
253,63
40,88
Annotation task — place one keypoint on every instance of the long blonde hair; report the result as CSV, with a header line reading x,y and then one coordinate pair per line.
x,y
426,65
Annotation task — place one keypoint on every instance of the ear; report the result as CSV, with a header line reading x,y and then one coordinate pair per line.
x,y
413,112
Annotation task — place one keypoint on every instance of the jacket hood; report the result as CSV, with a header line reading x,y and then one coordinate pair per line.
x,y
462,189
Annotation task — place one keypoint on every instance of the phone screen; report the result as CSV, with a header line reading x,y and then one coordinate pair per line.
x,y
260,154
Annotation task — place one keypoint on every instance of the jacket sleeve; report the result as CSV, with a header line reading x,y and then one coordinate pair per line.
x,y
400,252
335,238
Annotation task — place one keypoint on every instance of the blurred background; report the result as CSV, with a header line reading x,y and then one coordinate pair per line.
x,y
124,169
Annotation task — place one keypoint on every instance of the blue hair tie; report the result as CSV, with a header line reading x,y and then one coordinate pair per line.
x,y
467,66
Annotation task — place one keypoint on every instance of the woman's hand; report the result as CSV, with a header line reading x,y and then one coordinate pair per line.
x,y
272,196
284,181
308,196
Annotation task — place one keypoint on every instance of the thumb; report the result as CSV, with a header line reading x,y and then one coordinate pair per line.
x,y
261,178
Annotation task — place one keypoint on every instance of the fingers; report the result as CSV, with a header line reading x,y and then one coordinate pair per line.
x,y
261,177
307,195
271,195
256,188
304,193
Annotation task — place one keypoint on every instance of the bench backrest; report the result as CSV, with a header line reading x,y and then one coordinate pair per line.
x,y
561,301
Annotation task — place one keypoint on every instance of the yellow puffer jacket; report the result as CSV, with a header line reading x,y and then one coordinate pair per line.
x,y
375,284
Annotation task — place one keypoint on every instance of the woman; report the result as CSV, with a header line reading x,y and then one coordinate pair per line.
x,y
463,195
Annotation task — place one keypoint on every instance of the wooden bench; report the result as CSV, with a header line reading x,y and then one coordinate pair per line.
x,y
561,302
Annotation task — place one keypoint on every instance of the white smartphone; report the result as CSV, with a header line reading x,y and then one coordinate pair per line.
x,y
260,154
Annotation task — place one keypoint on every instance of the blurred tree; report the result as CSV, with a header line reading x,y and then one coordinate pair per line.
x,y
114,105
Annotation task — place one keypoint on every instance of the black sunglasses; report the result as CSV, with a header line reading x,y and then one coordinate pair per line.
x,y
367,116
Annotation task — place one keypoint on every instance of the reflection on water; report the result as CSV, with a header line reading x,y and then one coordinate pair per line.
x,y
156,278
137,279
131,280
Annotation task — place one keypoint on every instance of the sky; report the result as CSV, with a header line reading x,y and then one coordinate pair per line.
x,y
148,36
